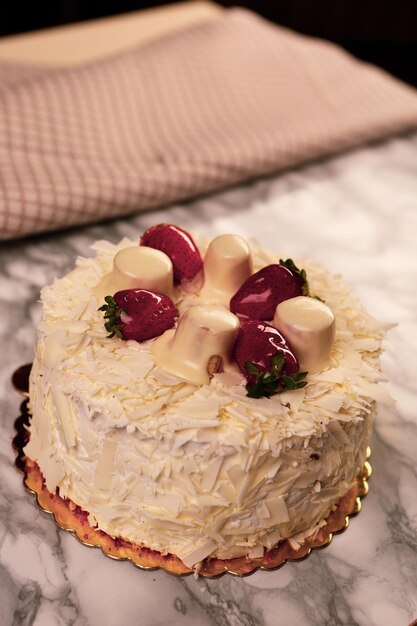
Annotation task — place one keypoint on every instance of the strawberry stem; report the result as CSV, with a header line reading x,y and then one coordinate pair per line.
x,y
269,383
302,275
112,313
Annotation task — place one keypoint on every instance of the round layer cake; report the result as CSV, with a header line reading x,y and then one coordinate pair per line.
x,y
197,465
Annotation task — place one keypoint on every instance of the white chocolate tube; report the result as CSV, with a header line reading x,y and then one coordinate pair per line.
x,y
309,327
227,264
203,331
138,267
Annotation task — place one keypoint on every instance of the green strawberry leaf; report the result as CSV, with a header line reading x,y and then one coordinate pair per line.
x,y
302,275
270,383
278,362
112,313
252,369
291,266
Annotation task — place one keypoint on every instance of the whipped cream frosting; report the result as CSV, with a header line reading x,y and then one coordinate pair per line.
x,y
196,470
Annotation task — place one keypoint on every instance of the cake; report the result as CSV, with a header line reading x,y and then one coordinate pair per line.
x,y
222,414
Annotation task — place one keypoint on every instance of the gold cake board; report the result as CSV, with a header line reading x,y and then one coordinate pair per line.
x,y
72,518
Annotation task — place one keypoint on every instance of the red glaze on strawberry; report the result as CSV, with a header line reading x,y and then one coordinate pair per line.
x,y
261,293
138,314
257,342
181,249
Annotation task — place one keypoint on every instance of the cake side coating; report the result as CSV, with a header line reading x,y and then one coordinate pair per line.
x,y
195,470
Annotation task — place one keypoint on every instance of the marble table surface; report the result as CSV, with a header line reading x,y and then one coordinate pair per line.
x,y
357,215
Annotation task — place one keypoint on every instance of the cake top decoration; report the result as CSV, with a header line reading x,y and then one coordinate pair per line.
x,y
138,267
262,323
138,314
180,247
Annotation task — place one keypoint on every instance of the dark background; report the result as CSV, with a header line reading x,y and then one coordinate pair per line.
x,y
383,32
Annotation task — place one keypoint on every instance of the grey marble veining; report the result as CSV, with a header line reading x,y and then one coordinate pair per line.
x,y
357,215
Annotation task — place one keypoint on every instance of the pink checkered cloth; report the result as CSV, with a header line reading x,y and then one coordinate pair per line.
x,y
216,104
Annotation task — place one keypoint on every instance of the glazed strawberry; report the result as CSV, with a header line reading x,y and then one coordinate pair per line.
x,y
138,314
261,293
266,359
181,249
257,342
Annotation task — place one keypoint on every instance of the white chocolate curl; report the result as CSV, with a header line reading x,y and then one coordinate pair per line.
x,y
309,327
227,264
203,331
138,267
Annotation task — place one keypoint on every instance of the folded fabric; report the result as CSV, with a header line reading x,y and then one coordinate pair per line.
x,y
207,107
